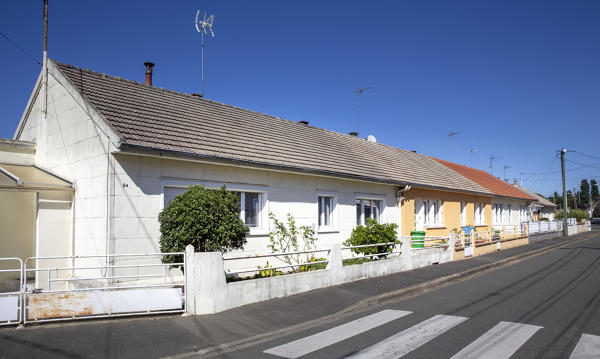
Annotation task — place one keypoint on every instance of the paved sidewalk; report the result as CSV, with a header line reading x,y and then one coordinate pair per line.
x,y
160,336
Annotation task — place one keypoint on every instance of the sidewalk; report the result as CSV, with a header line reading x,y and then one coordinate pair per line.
x,y
160,336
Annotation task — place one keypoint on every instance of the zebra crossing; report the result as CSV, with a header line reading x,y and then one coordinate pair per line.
x,y
499,342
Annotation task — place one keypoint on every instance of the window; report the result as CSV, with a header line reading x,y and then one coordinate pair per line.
x,y
479,214
522,214
509,214
368,208
498,213
250,208
428,213
325,211
463,214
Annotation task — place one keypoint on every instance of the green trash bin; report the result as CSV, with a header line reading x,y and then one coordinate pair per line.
x,y
418,239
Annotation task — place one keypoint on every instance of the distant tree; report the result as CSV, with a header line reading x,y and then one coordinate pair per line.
x,y
596,212
570,199
584,196
595,193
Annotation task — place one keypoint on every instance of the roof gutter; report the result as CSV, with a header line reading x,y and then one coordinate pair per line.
x,y
179,155
12,176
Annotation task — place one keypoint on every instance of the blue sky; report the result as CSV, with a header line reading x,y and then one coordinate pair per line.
x,y
519,79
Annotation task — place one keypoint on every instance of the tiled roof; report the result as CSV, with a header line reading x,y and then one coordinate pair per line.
x,y
541,200
484,179
164,120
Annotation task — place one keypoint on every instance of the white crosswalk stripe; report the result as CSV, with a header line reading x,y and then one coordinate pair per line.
x,y
500,342
334,335
587,347
410,339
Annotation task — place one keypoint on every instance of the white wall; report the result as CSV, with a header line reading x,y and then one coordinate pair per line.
x,y
73,143
140,182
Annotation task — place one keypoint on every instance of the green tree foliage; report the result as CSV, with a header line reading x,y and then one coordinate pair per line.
x,y
373,233
596,212
578,214
595,193
208,219
584,196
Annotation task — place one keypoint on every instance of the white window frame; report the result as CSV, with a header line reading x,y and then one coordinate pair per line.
x,y
333,226
263,216
433,213
369,197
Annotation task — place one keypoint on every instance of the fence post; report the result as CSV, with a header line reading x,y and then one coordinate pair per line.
x,y
190,282
210,285
334,264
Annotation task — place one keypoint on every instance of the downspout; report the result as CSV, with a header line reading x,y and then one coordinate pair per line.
x,y
45,63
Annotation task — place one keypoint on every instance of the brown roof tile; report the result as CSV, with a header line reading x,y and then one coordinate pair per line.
x,y
484,179
155,118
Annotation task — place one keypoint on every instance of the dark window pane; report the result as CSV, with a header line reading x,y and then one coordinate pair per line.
x,y
327,213
368,210
376,208
320,201
358,212
251,209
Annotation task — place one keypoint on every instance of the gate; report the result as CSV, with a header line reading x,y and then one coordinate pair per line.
x,y
11,299
80,287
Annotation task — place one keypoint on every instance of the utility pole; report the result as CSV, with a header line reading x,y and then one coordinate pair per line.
x,y
450,137
564,183
472,150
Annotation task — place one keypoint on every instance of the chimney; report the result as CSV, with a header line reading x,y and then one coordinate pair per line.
x,y
303,122
515,182
149,67
355,134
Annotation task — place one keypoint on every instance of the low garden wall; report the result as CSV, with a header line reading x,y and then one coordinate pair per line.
x,y
209,292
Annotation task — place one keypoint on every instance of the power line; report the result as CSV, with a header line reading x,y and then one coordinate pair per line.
x,y
586,155
593,165
20,48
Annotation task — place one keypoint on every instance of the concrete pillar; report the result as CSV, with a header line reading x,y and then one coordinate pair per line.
x,y
208,282
190,289
335,264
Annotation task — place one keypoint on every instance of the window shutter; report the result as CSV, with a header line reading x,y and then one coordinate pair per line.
x,y
441,213
419,214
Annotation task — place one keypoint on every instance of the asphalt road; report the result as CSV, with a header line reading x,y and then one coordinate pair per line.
x,y
537,308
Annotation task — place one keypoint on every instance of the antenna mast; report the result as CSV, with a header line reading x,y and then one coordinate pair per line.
x,y
492,158
201,27
358,93
450,137
472,150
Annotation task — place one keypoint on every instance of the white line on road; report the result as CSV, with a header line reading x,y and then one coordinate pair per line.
x,y
587,347
500,342
410,339
334,335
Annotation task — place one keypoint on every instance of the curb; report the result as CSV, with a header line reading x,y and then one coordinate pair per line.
x,y
380,299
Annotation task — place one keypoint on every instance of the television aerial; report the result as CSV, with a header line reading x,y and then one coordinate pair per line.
x,y
204,26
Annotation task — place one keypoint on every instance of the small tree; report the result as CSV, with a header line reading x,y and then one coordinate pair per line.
x,y
578,214
208,219
284,238
373,233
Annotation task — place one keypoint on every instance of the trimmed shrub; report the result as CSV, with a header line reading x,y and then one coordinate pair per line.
x,y
373,233
206,218
578,214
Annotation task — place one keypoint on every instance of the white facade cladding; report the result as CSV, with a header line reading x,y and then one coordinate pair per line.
x,y
144,185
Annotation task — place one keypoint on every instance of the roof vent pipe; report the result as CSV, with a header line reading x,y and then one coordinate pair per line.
x,y
149,66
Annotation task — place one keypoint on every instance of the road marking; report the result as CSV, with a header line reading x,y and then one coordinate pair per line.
x,y
410,339
334,335
587,347
500,342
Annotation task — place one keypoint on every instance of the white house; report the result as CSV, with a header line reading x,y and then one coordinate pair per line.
x,y
128,148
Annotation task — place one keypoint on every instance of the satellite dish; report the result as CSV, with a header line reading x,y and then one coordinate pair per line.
x,y
371,138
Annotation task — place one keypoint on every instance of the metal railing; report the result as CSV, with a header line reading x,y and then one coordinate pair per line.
x,y
75,274
285,257
11,299
395,250
427,242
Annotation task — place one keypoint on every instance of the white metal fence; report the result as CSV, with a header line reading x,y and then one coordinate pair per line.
x,y
11,298
544,226
80,287
285,260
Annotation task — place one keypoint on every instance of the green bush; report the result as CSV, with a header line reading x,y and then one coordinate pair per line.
x,y
208,219
578,214
373,233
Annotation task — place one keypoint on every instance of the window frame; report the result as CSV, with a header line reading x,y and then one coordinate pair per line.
x,y
333,226
263,214
369,197
433,213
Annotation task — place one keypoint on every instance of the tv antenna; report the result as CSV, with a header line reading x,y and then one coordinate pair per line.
x,y
492,158
358,93
202,25
450,137
472,150
506,167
